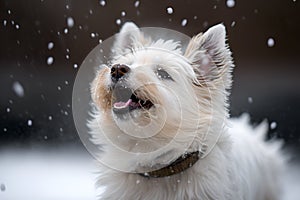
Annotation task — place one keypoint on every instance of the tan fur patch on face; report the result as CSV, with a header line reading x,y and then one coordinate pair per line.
x,y
101,94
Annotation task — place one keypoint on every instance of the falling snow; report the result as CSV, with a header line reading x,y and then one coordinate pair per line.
x,y
118,21
102,2
29,122
75,66
17,26
273,125
18,89
271,42
250,100
170,10
50,117
8,110
136,4
233,23
184,22
66,31
50,45
4,22
50,60
230,3
93,35
70,22
123,13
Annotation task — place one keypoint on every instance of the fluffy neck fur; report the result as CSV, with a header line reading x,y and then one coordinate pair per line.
x,y
205,180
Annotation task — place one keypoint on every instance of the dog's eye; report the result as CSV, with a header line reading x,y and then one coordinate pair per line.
x,y
162,74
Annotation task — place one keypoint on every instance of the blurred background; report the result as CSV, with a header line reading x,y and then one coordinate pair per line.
x,y
44,42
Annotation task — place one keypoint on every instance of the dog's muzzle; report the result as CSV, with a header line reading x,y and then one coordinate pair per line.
x,y
125,99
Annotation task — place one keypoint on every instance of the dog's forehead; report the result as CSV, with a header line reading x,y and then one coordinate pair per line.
x,y
148,57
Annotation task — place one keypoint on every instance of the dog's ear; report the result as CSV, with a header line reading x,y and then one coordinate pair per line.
x,y
210,56
127,39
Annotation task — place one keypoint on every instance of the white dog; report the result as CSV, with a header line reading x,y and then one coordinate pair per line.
x,y
162,124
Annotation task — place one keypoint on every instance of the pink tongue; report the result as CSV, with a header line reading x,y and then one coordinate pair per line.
x,y
121,104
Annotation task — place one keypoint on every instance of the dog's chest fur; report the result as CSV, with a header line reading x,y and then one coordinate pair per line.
x,y
233,170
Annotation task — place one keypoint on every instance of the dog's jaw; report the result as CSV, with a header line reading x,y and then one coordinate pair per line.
x,y
126,101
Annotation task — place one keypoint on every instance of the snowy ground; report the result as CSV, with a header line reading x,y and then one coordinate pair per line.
x,y
292,182
27,175
46,176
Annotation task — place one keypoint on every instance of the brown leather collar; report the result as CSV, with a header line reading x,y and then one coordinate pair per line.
x,y
182,163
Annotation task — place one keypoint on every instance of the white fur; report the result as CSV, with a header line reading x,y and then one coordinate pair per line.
x,y
238,164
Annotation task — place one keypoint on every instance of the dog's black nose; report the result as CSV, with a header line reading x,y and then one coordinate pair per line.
x,y
117,71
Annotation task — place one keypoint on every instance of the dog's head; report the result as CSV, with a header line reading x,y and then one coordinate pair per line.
x,y
154,91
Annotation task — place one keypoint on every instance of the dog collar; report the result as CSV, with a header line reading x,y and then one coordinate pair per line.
x,y
179,165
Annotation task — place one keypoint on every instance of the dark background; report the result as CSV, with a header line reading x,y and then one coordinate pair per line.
x,y
268,75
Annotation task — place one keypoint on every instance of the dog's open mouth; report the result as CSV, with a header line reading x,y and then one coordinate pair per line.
x,y
126,100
